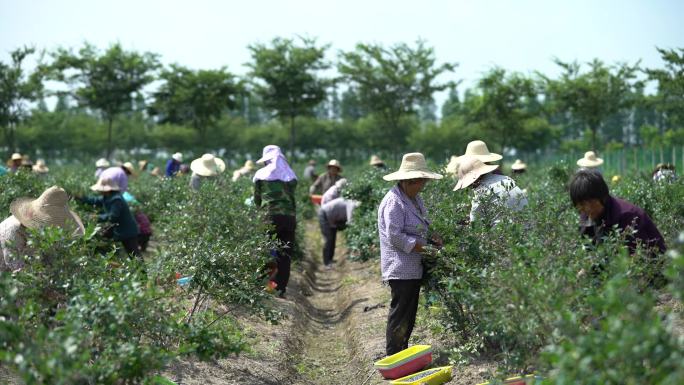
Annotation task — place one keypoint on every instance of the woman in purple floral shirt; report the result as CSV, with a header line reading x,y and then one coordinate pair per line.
x,y
403,228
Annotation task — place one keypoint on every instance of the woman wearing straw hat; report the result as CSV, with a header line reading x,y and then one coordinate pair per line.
x,y
590,160
40,167
116,212
101,165
327,180
206,168
519,167
403,228
274,191
245,170
173,165
119,174
491,191
15,162
50,209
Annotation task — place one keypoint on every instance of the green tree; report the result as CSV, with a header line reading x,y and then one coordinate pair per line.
x,y
287,78
670,86
17,89
392,83
107,82
197,98
593,96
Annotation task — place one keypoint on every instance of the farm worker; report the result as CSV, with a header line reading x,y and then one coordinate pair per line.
x,y
49,209
519,167
334,215
144,225
116,212
327,180
26,163
119,174
664,172
173,165
3,171
15,162
245,170
600,213
590,160
334,191
491,192
206,168
452,167
274,192
404,233
40,167
378,163
100,165
310,171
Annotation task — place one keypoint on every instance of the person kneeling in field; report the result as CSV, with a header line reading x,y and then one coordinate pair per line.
x,y
487,185
600,212
333,216
334,191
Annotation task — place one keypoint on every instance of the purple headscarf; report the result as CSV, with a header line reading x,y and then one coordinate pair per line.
x,y
276,167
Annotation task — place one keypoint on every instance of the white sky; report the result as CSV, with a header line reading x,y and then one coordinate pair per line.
x,y
519,35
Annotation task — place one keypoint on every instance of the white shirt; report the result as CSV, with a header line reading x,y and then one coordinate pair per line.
x,y
502,190
12,244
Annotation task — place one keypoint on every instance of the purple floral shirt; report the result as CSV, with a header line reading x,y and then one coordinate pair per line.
x,y
401,224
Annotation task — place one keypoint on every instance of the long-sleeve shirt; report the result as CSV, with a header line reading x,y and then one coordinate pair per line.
x,y
323,183
172,167
116,211
402,223
330,194
620,213
118,175
276,196
493,192
338,210
12,244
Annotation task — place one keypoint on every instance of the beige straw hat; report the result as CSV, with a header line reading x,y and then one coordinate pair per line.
x,y
249,165
49,209
105,185
40,167
518,165
375,160
16,156
478,149
129,166
413,166
207,165
452,166
102,162
471,169
335,163
590,160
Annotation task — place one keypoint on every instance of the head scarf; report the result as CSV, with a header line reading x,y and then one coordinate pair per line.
x,y
276,167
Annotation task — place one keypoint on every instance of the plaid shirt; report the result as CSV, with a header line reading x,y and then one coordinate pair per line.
x,y
401,224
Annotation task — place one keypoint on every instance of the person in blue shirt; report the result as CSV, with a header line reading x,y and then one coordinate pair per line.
x,y
173,165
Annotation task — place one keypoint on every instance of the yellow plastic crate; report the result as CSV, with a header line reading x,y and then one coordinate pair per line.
x,y
434,376
530,379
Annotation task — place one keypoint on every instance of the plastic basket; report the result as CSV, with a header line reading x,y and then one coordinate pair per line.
x,y
316,199
434,376
405,362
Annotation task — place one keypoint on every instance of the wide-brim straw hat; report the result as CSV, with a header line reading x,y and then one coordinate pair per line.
x,y
375,160
471,169
208,165
178,157
49,209
269,152
249,165
590,160
478,149
335,163
102,162
105,185
413,166
452,166
518,165
40,167
16,156
129,166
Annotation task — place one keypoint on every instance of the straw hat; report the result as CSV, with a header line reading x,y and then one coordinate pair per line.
x,y
156,172
270,152
478,149
249,165
471,169
49,209
178,157
40,167
335,163
16,156
590,160
207,165
413,166
518,165
452,166
375,160
142,165
105,185
129,166
102,162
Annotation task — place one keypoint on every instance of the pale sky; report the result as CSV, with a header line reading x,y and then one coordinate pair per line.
x,y
520,35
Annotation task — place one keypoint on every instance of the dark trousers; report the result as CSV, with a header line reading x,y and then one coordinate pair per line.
x,y
284,230
329,238
143,240
131,247
402,313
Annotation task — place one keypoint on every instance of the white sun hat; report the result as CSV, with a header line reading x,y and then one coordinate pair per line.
x,y
178,157
49,209
518,165
413,166
16,156
208,165
40,167
590,160
105,185
471,169
102,162
478,149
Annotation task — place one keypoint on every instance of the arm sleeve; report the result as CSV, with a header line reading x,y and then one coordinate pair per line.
x,y
169,168
114,213
293,189
394,227
95,201
314,186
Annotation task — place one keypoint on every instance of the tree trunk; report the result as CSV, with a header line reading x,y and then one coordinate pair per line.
x,y
110,120
292,137
593,138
